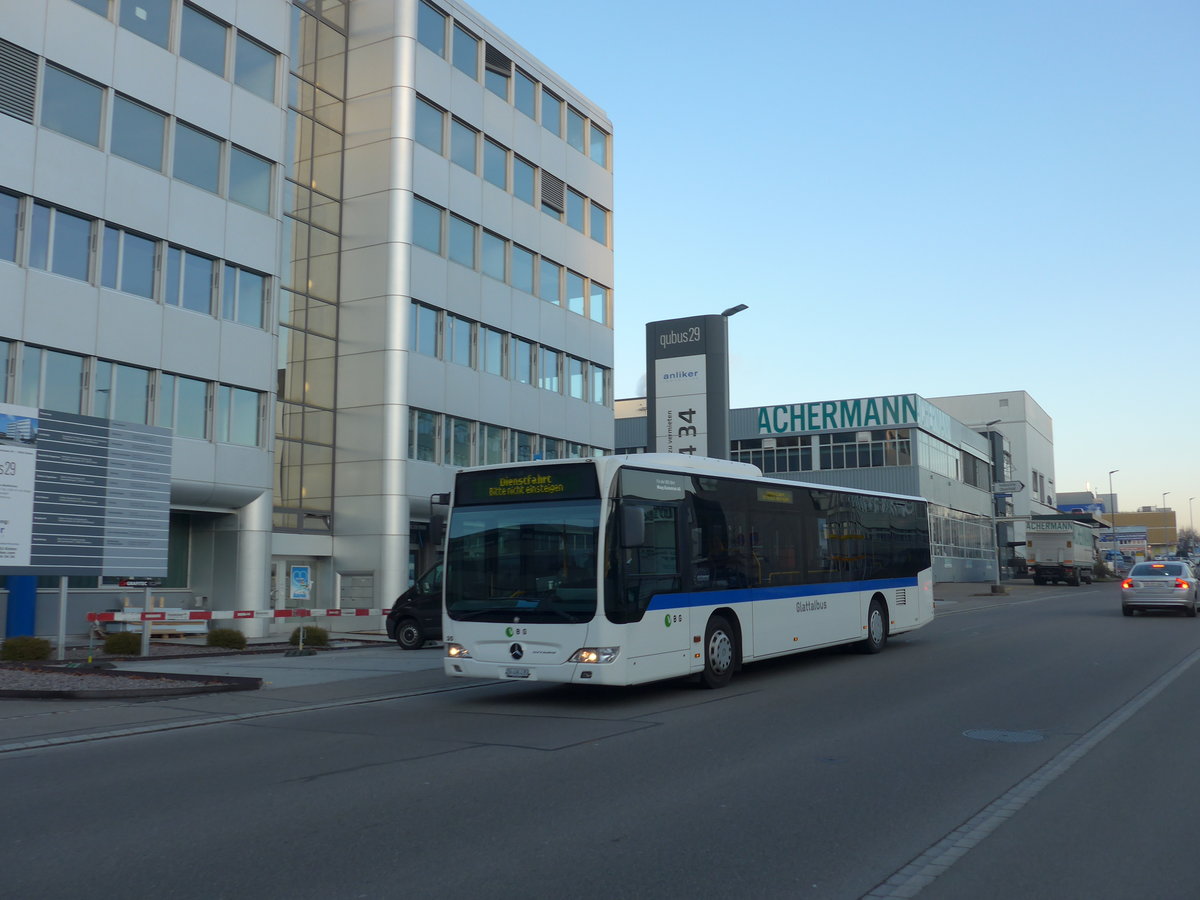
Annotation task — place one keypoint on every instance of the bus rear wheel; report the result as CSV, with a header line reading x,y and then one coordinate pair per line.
x,y
876,630
720,653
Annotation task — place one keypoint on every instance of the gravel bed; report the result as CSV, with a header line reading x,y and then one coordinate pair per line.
x,y
12,679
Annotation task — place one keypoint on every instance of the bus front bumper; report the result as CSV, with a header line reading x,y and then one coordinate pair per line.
x,y
562,673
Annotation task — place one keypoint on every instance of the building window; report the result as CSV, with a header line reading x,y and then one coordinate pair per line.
x,y
10,209
462,241
458,441
576,299
598,304
71,105
599,225
202,40
548,366
150,19
431,29
463,143
466,53
495,164
249,179
551,113
254,68
551,448
522,361
576,386
522,269
491,349
422,435
575,210
429,126
492,445
493,247
137,133
52,380
96,6
458,340
189,280
552,195
549,288
497,71
427,226
5,355
598,146
237,416
120,392
600,383
128,262
575,129
243,298
197,158
523,180
189,406
60,242
523,444
525,94
424,330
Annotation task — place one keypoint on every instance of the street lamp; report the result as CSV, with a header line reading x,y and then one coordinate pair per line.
x,y
995,502
1112,516
1191,518
1164,500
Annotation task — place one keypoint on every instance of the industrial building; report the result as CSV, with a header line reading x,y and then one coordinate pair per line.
x,y
905,444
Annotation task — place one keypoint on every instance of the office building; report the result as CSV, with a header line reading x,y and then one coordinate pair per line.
x,y
339,248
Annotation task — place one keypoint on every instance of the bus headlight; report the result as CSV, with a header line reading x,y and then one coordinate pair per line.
x,y
457,651
595,655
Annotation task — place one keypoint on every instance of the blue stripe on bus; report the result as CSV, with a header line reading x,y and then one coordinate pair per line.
x,y
752,595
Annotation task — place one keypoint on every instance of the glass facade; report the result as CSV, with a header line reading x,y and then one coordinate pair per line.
x,y
308,321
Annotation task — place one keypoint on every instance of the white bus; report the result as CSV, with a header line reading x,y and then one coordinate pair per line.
x,y
628,569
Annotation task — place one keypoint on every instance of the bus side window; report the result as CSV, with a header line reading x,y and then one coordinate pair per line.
x,y
718,560
652,567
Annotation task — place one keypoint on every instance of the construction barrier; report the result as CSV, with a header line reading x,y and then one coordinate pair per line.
x,y
205,615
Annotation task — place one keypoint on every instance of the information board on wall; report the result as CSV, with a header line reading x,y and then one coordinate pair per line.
x,y
80,495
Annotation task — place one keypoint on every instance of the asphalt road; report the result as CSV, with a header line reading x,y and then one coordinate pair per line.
x,y
1040,748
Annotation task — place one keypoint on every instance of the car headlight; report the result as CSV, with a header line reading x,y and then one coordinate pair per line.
x,y
595,655
457,651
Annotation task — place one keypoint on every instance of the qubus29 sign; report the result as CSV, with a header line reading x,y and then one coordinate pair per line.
x,y
687,389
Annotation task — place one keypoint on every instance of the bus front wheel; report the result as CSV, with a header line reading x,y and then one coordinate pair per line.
x,y
720,653
876,630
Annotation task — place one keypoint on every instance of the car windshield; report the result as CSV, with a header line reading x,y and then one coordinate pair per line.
x,y
1164,570
535,562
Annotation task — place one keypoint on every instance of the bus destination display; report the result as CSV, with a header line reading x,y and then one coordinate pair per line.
x,y
523,484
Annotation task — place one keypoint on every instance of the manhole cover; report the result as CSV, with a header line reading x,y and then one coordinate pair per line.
x,y
1004,737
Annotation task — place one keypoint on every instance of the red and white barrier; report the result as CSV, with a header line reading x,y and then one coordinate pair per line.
x,y
204,615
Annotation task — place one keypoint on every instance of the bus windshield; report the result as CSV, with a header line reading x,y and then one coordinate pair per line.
x,y
532,562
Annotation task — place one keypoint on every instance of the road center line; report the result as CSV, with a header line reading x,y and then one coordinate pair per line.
x,y
911,879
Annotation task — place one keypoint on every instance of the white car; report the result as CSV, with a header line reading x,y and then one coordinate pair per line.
x,y
1160,585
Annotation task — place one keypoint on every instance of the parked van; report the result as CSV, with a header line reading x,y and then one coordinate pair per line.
x,y
416,616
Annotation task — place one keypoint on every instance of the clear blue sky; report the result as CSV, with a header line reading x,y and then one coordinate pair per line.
x,y
930,197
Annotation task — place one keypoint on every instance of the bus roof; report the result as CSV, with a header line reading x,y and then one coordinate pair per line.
x,y
680,462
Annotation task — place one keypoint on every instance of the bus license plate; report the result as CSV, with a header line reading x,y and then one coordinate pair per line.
x,y
514,672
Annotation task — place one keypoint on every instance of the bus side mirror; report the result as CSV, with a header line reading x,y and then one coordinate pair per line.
x,y
633,526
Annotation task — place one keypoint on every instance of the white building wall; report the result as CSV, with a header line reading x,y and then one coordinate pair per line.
x,y
379,491
60,313
1030,433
